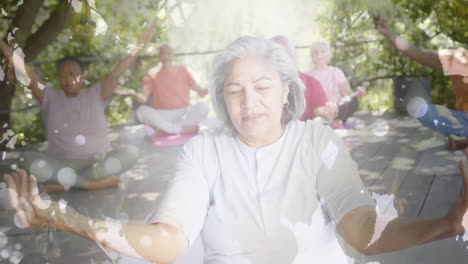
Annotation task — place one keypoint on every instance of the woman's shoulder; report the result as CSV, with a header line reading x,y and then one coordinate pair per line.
x,y
208,138
310,133
335,70
310,126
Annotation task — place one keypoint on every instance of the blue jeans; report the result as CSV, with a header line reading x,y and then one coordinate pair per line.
x,y
446,121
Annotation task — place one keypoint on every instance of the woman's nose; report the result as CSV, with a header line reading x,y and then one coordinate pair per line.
x,y
249,99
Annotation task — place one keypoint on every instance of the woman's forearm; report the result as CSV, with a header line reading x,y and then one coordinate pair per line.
x,y
402,233
425,57
140,98
372,233
159,243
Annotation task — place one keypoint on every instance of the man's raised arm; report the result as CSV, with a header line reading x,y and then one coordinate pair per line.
x,y
427,58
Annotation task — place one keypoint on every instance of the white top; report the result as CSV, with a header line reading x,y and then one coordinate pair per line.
x,y
76,126
275,204
331,79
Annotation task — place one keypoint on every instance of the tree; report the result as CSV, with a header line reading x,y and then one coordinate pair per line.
x,y
46,30
23,16
429,24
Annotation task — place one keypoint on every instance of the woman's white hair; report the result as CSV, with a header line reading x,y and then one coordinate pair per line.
x,y
271,53
320,43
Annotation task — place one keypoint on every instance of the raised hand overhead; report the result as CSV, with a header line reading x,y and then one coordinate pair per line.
x,y
109,84
427,58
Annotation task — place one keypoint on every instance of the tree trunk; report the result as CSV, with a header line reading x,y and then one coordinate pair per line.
x,y
32,45
24,19
49,30
7,90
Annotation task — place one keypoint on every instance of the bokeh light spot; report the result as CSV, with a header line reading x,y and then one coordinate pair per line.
x,y
113,165
417,107
45,202
146,241
80,140
42,170
3,240
380,127
17,221
67,176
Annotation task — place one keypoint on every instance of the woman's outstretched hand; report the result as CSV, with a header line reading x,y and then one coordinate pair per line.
x,y
31,210
148,32
381,25
457,216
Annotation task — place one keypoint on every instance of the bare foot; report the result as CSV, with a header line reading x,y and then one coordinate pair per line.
x,y
108,182
185,130
451,143
191,130
336,124
55,188
159,132
455,142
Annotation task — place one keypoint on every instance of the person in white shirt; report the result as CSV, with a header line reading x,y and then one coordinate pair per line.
x,y
266,189
334,82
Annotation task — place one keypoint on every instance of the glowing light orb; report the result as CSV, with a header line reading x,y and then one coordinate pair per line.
x,y
113,165
417,107
17,222
80,140
3,240
67,176
45,203
380,127
42,170
401,43
146,241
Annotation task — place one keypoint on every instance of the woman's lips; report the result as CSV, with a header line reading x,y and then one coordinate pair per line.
x,y
252,117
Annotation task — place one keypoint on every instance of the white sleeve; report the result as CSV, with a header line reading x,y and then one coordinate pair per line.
x,y
338,182
186,201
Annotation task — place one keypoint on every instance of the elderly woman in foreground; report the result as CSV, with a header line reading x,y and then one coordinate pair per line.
x,y
268,189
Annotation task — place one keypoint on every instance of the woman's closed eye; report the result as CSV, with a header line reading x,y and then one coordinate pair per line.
x,y
264,87
234,91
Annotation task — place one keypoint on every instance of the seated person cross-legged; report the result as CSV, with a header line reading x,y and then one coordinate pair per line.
x,y
334,83
317,104
169,88
78,153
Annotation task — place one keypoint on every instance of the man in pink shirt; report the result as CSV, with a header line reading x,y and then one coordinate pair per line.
x,y
334,82
78,146
317,104
169,88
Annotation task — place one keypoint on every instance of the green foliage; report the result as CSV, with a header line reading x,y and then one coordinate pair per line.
x,y
27,124
426,23
125,23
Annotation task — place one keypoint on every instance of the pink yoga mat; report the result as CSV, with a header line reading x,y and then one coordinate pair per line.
x,y
168,140
171,140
